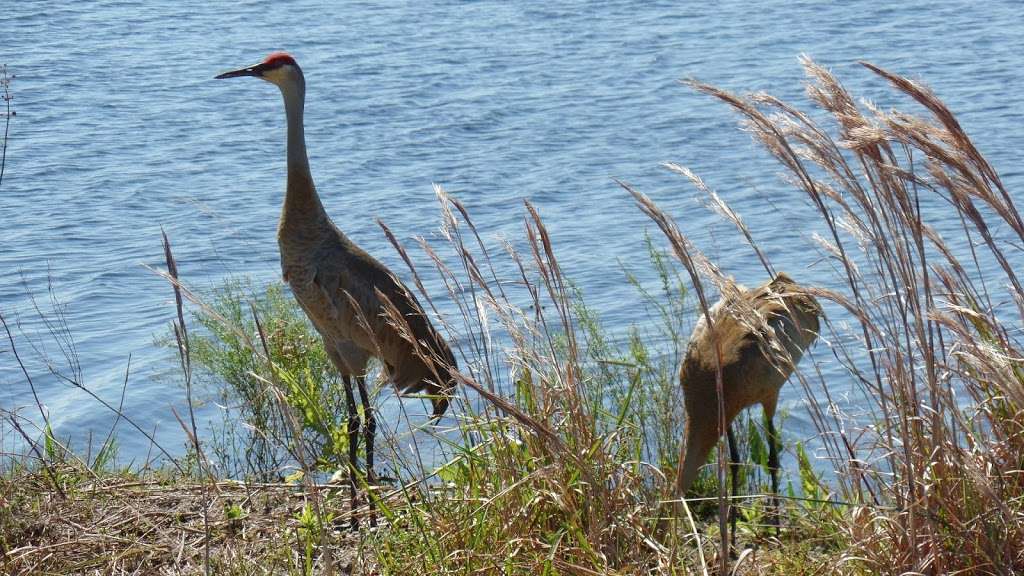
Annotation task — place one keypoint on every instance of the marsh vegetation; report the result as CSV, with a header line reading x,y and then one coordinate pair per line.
x,y
563,446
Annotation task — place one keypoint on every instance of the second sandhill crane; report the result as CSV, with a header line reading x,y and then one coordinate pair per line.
x,y
349,296
761,334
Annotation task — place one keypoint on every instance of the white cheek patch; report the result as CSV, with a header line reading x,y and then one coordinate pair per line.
x,y
274,76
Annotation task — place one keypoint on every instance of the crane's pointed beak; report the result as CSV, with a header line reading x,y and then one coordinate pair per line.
x,y
256,70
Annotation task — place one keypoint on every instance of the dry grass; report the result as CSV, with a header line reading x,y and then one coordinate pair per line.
x,y
938,325
127,524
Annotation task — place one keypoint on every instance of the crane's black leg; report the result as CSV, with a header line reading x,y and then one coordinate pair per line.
x,y
773,469
369,431
734,472
353,446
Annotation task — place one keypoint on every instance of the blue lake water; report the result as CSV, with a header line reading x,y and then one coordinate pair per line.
x,y
121,131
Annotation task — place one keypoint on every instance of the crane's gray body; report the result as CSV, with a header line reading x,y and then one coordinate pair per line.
x,y
345,293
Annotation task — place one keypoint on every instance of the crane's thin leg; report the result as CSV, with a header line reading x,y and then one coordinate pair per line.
x,y
773,469
369,431
734,472
353,446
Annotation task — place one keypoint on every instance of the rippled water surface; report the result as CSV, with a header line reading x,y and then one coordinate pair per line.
x,y
121,131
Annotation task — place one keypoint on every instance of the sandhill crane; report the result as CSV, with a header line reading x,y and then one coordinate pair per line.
x,y
762,333
346,292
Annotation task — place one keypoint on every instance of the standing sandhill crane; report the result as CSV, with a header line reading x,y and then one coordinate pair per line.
x,y
345,292
762,333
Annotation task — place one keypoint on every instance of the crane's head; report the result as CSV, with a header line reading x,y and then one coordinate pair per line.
x,y
279,68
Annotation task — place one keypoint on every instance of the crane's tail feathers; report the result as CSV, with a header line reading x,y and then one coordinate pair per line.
x,y
421,360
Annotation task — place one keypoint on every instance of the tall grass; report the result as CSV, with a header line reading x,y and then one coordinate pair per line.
x,y
567,439
551,476
237,373
939,328
548,472
937,466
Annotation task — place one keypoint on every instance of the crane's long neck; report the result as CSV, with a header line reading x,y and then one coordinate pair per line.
x,y
700,396
302,205
701,435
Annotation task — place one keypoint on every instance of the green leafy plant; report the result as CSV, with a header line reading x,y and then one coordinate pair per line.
x,y
266,374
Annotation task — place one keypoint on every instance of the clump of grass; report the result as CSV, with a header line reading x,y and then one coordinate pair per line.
x,y
230,349
550,465
61,513
934,466
649,355
117,521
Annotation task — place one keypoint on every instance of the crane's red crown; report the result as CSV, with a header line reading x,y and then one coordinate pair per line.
x,y
279,59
